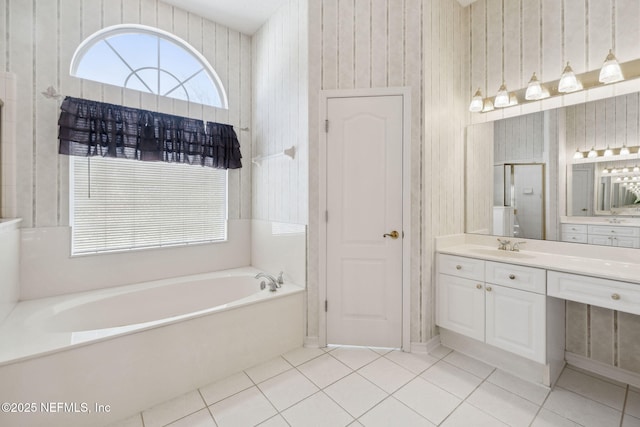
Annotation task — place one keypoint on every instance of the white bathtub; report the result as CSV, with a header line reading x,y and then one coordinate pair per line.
x,y
134,346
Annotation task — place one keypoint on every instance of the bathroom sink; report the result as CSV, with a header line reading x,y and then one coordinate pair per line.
x,y
501,253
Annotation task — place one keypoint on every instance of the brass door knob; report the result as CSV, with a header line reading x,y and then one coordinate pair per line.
x,y
479,286
615,296
394,234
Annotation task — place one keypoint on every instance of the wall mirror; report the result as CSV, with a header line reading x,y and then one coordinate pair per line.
x,y
523,178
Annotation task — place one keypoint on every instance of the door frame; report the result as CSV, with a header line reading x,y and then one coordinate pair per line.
x,y
325,95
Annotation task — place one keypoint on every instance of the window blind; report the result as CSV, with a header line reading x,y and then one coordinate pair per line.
x,y
120,204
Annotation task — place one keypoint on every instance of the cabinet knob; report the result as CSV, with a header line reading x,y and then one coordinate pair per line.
x,y
458,267
479,286
615,296
488,288
512,276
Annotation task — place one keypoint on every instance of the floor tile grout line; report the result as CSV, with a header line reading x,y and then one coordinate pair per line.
x,y
591,399
547,398
624,404
469,395
520,396
208,407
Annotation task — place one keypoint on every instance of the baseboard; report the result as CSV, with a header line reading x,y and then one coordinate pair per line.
x,y
312,342
425,347
613,372
418,347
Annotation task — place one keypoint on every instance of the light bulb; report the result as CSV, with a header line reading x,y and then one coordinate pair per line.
x,y
592,153
477,103
502,97
578,154
568,81
610,71
608,152
624,151
534,89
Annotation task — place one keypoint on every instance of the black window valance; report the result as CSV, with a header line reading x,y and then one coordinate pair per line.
x,y
91,128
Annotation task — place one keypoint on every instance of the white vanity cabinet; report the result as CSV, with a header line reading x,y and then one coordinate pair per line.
x,y
575,233
503,305
601,234
611,235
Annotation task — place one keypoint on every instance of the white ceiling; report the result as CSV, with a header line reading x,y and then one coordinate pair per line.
x,y
246,16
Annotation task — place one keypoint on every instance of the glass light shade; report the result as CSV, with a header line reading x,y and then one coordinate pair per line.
x,y
605,171
614,170
502,98
568,81
610,71
534,89
618,179
625,170
488,106
624,151
477,103
578,154
608,152
636,169
592,153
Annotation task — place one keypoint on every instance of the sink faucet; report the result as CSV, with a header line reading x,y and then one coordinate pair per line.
x,y
516,246
505,245
273,282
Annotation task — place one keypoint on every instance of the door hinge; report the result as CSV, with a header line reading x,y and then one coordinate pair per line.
x,y
326,126
326,216
326,306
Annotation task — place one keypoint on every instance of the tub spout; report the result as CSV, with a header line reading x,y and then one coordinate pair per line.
x,y
272,281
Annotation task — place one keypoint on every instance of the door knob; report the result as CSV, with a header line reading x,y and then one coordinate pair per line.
x,y
394,234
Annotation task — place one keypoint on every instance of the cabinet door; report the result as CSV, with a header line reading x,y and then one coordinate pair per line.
x,y
626,242
600,240
516,321
461,306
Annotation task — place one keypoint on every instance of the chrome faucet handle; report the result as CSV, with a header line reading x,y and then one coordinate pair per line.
x,y
280,278
516,246
503,244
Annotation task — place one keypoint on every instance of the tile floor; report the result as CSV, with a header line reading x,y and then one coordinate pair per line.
x,y
348,386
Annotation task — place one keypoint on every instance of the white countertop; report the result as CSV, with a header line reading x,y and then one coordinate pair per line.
x,y
624,221
587,260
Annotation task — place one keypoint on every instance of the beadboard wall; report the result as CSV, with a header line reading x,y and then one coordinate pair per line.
x,y
511,39
280,116
391,43
37,43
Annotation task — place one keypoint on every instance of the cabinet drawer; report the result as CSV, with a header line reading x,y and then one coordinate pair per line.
x,y
468,268
574,237
621,296
574,228
516,276
611,230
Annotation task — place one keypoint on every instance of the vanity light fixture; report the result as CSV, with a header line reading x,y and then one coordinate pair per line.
x,y
578,154
592,153
608,152
568,81
614,171
636,169
477,102
610,71
624,151
502,98
534,89
488,106
625,170
605,171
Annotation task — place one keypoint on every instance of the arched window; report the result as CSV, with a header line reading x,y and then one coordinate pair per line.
x,y
149,60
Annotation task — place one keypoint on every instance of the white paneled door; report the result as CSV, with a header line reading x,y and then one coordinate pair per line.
x,y
364,220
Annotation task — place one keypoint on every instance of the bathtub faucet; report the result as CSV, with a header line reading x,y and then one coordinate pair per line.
x,y
273,282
